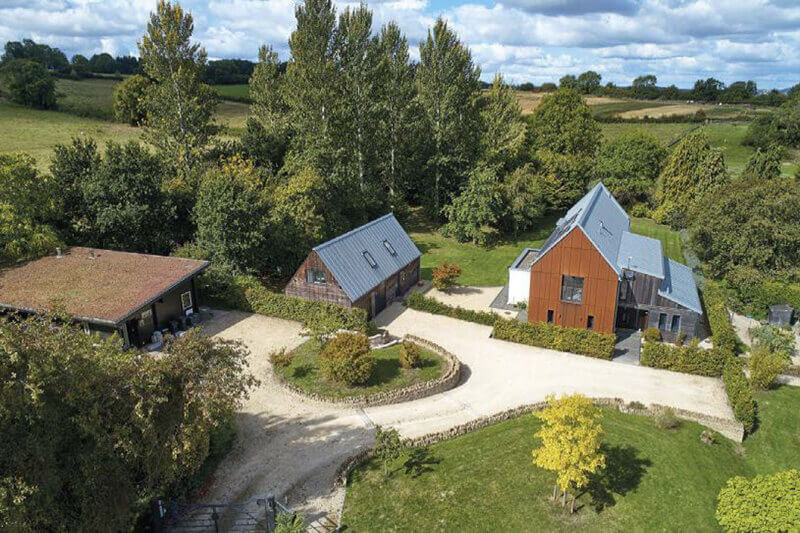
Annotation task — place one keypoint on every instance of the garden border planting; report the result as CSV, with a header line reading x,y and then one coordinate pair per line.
x,y
446,381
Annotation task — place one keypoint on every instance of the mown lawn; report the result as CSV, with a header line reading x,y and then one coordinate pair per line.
x,y
488,266
655,480
481,267
670,239
667,133
387,375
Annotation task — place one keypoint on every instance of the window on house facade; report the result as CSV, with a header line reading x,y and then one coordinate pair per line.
x,y
676,323
389,248
590,322
186,300
550,315
572,289
662,321
316,276
370,259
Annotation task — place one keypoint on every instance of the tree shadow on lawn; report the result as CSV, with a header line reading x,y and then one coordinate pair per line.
x,y
385,371
623,472
419,461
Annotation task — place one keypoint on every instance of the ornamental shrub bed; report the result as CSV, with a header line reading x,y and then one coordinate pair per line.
x,y
246,293
545,335
722,333
740,395
420,302
690,359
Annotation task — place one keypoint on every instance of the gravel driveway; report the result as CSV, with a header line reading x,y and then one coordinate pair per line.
x,y
285,445
291,447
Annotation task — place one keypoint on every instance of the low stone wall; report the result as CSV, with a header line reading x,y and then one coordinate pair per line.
x,y
446,381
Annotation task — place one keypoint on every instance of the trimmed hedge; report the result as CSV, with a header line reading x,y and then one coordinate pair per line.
x,y
740,395
722,333
689,359
246,293
545,335
765,503
420,302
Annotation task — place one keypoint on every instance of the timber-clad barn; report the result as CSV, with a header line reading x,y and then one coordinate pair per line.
x,y
367,267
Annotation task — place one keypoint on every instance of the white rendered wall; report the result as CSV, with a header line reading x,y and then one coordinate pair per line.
x,y
519,283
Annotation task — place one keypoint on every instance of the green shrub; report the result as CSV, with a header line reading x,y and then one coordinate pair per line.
x,y
420,302
387,447
246,293
765,503
281,358
665,419
410,355
722,333
289,523
445,275
346,359
780,341
765,367
753,291
740,395
652,335
690,359
545,335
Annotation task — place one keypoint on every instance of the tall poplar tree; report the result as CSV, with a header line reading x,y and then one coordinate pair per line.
x,y
309,86
180,105
265,92
357,61
399,114
504,140
449,85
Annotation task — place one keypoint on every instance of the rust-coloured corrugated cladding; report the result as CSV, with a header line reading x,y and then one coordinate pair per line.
x,y
574,255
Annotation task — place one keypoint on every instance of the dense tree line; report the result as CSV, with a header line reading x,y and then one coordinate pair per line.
x,y
645,87
92,431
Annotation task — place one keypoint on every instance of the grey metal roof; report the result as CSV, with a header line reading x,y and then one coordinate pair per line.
x,y
601,218
678,285
641,254
344,255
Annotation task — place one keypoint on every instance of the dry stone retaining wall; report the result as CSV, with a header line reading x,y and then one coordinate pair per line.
x,y
446,381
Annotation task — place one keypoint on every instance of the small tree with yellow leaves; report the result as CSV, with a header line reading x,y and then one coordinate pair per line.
x,y
571,438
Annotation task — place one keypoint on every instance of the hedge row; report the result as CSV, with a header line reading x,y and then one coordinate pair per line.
x,y
420,302
545,335
722,333
246,293
765,503
689,359
740,395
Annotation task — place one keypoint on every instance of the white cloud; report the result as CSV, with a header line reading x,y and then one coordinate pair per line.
x,y
537,40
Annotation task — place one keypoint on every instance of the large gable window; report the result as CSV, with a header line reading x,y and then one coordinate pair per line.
x,y
315,276
370,259
572,289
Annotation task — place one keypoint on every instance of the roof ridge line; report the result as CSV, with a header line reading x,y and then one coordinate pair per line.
x,y
352,231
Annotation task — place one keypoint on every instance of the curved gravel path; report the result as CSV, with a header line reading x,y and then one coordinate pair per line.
x,y
291,447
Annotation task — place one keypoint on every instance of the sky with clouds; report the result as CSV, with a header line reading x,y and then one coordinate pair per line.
x,y
526,40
